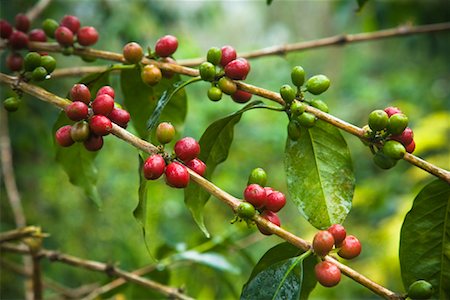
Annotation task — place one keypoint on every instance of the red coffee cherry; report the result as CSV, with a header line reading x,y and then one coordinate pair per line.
x,y
154,167
71,22
63,136
120,116
410,147
37,35
271,217
5,29
197,166
241,96
14,61
237,69
87,36
338,232
100,125
93,143
406,137
80,92
228,55
103,105
275,201
392,110
323,242
177,175
350,248
22,22
106,90
327,274
187,149
166,46
165,132
77,111
64,36
132,52
255,195
18,40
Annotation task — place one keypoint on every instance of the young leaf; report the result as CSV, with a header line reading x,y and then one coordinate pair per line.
x,y
425,240
320,175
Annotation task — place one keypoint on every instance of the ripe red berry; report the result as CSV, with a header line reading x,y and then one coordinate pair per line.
x,y
187,149
37,35
241,96
228,54
165,132
255,195
119,116
106,90
77,111
5,29
154,167
64,36
197,166
63,136
271,217
166,46
103,105
18,40
177,175
327,274
80,92
237,69
71,22
350,248
338,232
410,147
14,61
275,201
133,52
93,143
323,242
100,125
22,22
87,36
406,137
392,110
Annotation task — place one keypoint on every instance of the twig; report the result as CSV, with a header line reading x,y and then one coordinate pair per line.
x,y
20,233
78,71
37,9
36,276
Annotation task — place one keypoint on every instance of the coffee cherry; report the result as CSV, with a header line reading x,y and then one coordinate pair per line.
x,y
297,108
298,76
133,53
237,69
394,149
106,90
410,147
406,137
166,46
177,175
317,84
245,210
275,201
227,85
214,55
93,143
71,22
207,71
255,195
154,167
268,190
327,274
306,119
323,242
258,176
11,104
49,63
241,96
420,289
165,132
214,93
64,36
338,232
383,161
49,26
5,29
18,40
77,111
80,131
187,149
397,123
87,36
350,248
151,74
14,61
391,110
63,137
119,116
31,61
80,92
293,130
100,125
228,55
22,22
102,105
271,217
39,74
287,93
197,166
320,105
37,35
378,120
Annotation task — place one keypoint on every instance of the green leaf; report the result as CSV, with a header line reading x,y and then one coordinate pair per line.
x,y
95,81
140,212
425,240
361,3
320,175
213,260
215,144
269,2
78,163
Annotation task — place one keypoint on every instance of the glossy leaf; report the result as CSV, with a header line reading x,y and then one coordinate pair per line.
x,y
320,175
425,240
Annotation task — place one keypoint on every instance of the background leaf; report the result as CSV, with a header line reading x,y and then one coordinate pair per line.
x,y
361,3
425,240
320,175
213,260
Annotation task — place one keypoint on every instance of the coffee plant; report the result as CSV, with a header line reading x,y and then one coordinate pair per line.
x,y
139,96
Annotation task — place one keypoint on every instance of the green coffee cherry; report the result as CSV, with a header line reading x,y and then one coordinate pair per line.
x,y
80,131
214,55
207,71
49,63
293,130
287,93
397,123
378,120
394,149
214,93
49,26
39,74
306,119
245,210
11,104
298,76
257,176
320,105
165,132
31,61
227,85
383,161
88,58
420,289
297,108
317,84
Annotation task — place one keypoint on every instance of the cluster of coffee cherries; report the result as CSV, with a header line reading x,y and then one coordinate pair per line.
x,y
221,67
186,150
296,103
347,246
265,199
93,118
388,131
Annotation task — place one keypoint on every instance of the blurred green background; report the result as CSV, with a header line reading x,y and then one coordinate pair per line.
x,y
409,72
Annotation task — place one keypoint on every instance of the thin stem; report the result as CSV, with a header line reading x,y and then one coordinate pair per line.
x,y
37,277
20,233
37,9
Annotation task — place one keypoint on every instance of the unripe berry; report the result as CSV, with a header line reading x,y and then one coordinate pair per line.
x,y
271,217
237,69
323,242
391,110
119,116
5,29
338,232
287,93
214,55
18,40
256,195
11,104
22,22
177,175
93,143
397,123
77,111
14,61
420,289
154,167
165,132
350,248
297,108
293,130
80,92
132,52
383,161
63,137
100,125
106,90
64,36
298,76
207,71
31,61
317,84
187,149
320,105
394,149
197,166
151,74
87,36
258,176
39,74
80,131
102,105
48,62
406,137
327,274
228,54
245,210
275,201
37,35
241,96
306,119
214,93
410,147
166,46
227,85
378,120
49,26
71,22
